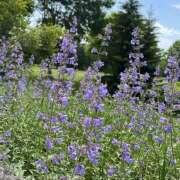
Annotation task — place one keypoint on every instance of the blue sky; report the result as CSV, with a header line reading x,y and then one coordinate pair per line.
x,y
167,15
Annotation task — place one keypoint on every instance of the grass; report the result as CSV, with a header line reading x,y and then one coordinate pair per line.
x,y
178,86
79,75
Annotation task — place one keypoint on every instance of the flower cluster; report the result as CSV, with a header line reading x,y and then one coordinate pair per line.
x,y
59,132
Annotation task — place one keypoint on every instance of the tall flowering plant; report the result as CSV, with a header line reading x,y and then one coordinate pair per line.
x,y
62,133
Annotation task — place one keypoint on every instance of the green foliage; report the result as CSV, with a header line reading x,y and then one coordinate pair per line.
x,y
123,23
89,13
27,143
40,41
163,61
84,59
150,49
13,13
174,50
178,86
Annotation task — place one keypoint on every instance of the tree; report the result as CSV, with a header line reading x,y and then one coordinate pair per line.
x,y
174,50
150,46
13,13
89,13
123,23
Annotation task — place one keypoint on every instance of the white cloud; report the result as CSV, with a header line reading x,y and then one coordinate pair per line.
x,y
167,36
177,6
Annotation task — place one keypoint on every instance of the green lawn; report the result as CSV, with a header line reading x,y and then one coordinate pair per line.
x,y
178,86
36,72
79,75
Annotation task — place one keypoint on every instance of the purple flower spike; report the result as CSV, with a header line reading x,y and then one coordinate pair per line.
x,y
87,122
93,154
55,160
72,152
111,171
103,90
41,167
54,119
89,94
97,123
7,133
168,128
49,143
64,100
80,170
162,120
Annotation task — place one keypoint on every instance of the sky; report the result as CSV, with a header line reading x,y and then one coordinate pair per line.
x,y
167,16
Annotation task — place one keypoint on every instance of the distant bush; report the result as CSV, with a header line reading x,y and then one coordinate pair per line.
x,y
40,41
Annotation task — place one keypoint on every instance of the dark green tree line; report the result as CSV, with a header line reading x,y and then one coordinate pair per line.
x,y
174,50
123,22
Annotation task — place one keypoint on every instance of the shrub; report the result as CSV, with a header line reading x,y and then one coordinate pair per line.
x,y
40,41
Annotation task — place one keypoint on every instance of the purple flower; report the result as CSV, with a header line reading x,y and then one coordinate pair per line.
x,y
64,178
87,122
41,116
126,154
72,152
162,120
55,160
99,106
22,85
7,133
41,166
80,170
103,90
108,29
3,157
59,141
56,129
111,171
73,28
161,107
54,119
168,128
115,141
98,64
97,122
136,147
173,161
159,140
94,51
65,43
49,143
127,158
63,118
64,100
107,128
93,154
89,94
31,60
70,71
2,140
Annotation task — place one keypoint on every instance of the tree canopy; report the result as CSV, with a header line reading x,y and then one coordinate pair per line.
x,y
123,22
174,50
13,13
90,13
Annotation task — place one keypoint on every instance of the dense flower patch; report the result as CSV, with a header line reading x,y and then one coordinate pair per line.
x,y
51,131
